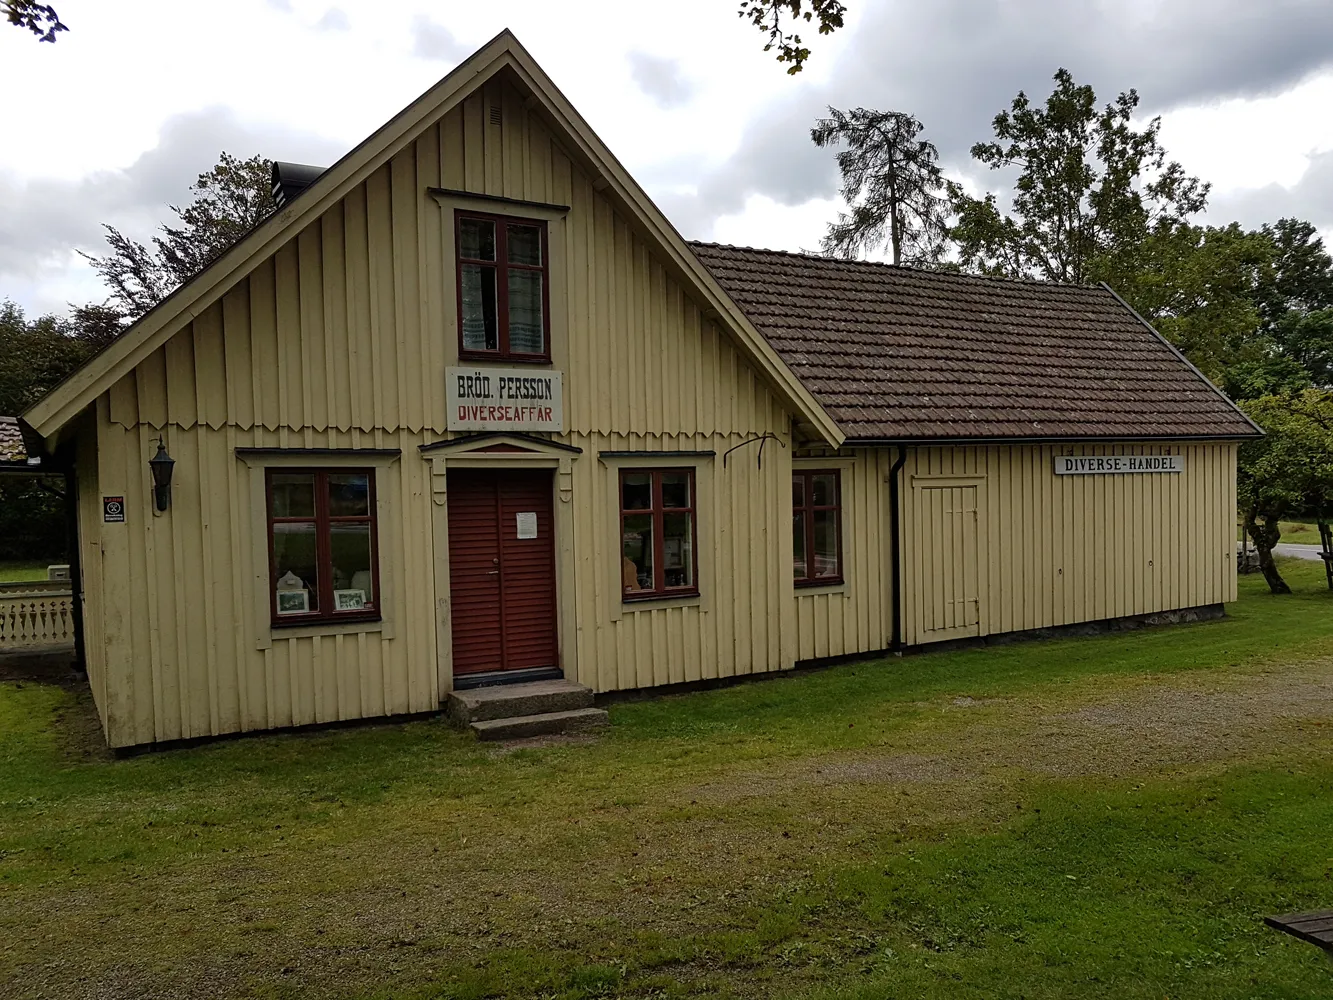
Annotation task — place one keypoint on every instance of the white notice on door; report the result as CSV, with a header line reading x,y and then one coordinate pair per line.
x,y
527,524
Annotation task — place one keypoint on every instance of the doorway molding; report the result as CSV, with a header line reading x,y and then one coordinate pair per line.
x,y
503,451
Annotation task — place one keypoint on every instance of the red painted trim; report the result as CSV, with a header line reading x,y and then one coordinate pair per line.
x,y
501,267
807,509
658,511
326,615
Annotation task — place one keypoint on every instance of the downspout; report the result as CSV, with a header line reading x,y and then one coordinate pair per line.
x,y
896,543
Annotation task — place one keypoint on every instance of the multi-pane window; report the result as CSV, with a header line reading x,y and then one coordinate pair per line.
x,y
816,527
657,533
502,288
323,559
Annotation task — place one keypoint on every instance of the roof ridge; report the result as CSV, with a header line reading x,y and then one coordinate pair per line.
x,y
908,268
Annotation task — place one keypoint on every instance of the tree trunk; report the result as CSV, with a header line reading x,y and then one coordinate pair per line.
x,y
1266,535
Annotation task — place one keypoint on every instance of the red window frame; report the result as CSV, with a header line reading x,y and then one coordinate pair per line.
x,y
323,547
502,267
658,511
807,507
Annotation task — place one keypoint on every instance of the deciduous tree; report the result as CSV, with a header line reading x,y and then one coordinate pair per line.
x,y
1287,473
1089,190
892,185
228,201
1198,286
37,354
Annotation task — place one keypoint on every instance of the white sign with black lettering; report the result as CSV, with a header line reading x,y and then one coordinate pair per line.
x,y
1092,465
504,399
527,523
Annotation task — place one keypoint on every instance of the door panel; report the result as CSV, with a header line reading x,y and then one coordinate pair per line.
x,y
528,571
502,587
948,561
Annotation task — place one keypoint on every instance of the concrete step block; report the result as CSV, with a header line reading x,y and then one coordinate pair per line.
x,y
504,701
544,724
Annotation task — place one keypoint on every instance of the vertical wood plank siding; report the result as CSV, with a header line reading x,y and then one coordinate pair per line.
x,y
855,617
1056,550
340,340
1051,550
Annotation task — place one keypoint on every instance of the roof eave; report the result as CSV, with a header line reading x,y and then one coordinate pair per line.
x,y
1259,431
67,400
918,442
155,327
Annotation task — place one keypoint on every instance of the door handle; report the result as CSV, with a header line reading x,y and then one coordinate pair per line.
x,y
493,572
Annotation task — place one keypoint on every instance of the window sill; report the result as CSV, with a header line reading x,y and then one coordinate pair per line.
x,y
831,587
308,630
518,359
657,603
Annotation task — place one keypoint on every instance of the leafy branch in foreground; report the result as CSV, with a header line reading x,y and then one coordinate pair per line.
x,y
39,18
767,16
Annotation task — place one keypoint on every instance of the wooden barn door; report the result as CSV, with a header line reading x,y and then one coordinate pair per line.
x,y
502,570
948,562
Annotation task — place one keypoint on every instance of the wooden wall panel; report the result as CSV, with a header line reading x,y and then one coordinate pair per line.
x,y
1065,549
346,325
171,607
855,617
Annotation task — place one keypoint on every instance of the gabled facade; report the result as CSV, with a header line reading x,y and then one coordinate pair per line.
x,y
468,408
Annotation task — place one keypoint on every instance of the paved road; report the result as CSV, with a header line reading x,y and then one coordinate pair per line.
x,y
1296,551
1299,551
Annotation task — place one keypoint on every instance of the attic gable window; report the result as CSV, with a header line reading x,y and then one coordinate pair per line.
x,y
503,293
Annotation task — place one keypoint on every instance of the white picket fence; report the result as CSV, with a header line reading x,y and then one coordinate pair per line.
x,y
36,614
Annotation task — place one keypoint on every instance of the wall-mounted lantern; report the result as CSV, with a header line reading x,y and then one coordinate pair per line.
x,y
161,465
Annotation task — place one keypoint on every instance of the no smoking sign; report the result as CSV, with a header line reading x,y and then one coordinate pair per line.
x,y
113,510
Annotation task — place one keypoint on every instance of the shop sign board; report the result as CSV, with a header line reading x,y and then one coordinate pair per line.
x,y
504,399
1092,465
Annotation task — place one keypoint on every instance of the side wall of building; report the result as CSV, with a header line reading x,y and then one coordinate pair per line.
x,y
855,616
1044,550
994,541
89,583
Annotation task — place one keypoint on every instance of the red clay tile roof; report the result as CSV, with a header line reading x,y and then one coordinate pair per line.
x,y
896,354
12,449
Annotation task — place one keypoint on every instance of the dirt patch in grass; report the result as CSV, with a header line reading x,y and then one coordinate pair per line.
x,y
77,728
1151,726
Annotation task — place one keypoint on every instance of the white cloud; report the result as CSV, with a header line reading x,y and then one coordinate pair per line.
x,y
334,19
435,41
660,79
709,123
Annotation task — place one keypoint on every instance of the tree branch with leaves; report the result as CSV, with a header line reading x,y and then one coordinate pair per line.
x,y
229,200
892,184
39,18
770,17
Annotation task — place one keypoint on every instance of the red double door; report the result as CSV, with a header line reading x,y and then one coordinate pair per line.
x,y
502,570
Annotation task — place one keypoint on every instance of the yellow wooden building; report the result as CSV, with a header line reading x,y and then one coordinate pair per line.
x,y
468,410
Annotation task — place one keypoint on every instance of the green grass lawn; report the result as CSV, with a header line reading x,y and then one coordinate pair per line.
x,y
1300,534
1103,817
22,572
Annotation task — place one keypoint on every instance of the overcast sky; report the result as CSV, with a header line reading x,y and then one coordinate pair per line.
x,y
113,122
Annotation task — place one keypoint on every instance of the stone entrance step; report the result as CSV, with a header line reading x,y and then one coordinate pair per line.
x,y
546,724
515,711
